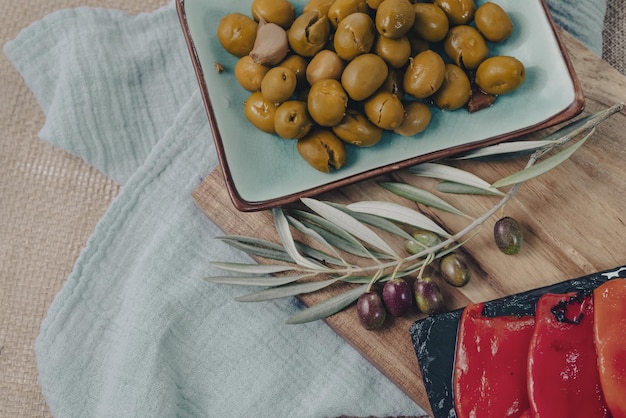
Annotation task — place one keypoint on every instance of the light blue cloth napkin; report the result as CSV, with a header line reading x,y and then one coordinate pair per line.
x,y
135,331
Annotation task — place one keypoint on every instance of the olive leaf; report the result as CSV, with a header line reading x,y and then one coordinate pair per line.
x,y
505,149
284,233
253,268
445,172
421,196
266,281
285,291
458,188
328,307
257,247
375,221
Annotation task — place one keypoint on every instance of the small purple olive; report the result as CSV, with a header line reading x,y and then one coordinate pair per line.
x,y
507,234
371,310
397,296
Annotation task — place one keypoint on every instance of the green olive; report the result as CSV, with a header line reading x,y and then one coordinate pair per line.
x,y
298,65
393,83
493,22
354,36
280,12
455,91
373,4
279,84
322,150
454,270
431,23
320,6
422,239
459,12
237,33
356,129
340,9
309,33
384,110
500,74
292,120
394,18
363,76
417,117
395,52
260,112
507,234
465,46
417,44
249,74
424,75
327,101
325,64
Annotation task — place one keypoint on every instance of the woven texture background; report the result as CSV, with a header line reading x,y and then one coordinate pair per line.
x,y
50,203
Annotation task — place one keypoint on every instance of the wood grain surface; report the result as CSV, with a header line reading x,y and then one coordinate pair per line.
x,y
573,220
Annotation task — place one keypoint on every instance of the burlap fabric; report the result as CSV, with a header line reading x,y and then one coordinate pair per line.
x,y
51,201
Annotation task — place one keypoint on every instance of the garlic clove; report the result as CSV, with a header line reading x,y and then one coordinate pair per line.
x,y
271,44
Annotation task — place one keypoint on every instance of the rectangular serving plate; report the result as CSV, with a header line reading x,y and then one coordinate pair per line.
x,y
264,171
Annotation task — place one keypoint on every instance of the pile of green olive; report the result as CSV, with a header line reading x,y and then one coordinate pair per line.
x,y
344,71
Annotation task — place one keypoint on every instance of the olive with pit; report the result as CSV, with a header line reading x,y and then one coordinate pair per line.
x,y
249,74
320,6
384,110
237,33
394,18
459,12
322,150
466,46
507,234
355,35
340,9
279,84
395,52
500,74
431,23
325,64
454,270
309,33
280,12
356,129
493,22
455,91
260,112
363,76
292,120
327,102
417,116
424,75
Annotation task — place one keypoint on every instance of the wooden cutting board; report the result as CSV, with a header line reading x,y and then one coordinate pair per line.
x,y
574,219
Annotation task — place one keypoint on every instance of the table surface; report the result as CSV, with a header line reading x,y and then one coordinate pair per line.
x,y
572,219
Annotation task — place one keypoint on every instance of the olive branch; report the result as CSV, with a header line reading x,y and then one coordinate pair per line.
x,y
293,267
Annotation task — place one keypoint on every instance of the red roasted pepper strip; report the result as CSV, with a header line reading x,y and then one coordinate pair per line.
x,y
563,379
610,339
490,367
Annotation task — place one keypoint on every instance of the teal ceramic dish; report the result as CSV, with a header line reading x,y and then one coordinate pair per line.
x,y
264,171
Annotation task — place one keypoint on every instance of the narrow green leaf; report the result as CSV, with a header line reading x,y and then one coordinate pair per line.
x,y
398,213
421,196
257,247
375,221
445,172
252,268
285,291
265,281
319,256
458,188
505,148
350,224
311,233
542,166
284,233
328,307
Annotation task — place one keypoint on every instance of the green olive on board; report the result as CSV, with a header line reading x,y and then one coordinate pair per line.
x,y
417,116
309,33
459,12
465,46
507,234
325,64
292,120
384,110
493,22
237,33
340,9
455,270
363,76
249,74
455,91
395,52
354,36
280,12
431,23
394,18
327,102
500,74
322,150
356,129
260,112
279,84
424,75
